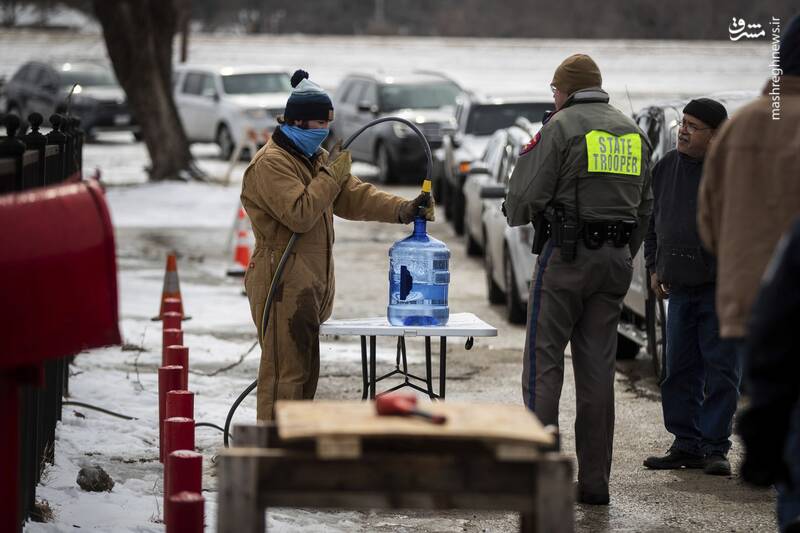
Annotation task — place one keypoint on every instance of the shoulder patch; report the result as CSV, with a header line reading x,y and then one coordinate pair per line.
x,y
531,144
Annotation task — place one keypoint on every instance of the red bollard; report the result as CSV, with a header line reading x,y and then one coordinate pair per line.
x,y
170,337
178,434
179,355
173,305
180,403
171,320
169,378
183,472
186,513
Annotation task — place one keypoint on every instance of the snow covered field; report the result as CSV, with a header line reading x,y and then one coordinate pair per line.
x,y
196,220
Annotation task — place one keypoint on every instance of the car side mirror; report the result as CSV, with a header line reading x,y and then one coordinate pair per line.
x,y
490,192
365,107
211,94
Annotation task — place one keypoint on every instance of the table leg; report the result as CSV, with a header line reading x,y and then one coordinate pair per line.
x,y
402,341
364,372
428,370
372,371
442,365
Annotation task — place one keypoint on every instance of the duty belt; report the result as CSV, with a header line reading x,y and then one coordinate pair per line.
x,y
614,232
595,234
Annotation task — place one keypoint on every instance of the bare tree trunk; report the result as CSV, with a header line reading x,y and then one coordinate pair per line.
x,y
139,36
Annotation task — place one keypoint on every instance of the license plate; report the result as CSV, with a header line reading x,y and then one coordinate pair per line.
x,y
121,120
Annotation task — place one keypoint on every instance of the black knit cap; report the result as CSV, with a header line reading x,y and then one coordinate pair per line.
x,y
308,100
790,48
709,111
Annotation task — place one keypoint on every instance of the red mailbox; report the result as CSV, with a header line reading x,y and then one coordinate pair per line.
x,y
58,286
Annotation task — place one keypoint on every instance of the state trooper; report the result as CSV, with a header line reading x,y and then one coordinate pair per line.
x,y
584,181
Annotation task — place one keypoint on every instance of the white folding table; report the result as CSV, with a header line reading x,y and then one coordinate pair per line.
x,y
459,325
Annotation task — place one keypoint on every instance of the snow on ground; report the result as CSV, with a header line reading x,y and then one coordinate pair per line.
x,y
201,214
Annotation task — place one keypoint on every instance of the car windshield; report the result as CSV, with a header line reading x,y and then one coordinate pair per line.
x,y
486,119
88,78
256,83
419,96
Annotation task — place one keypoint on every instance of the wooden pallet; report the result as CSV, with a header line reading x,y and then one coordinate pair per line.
x,y
339,455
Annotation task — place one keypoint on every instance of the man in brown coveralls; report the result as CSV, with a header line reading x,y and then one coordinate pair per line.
x,y
294,186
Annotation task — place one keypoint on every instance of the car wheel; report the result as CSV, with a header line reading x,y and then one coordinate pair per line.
x,y
384,162
656,334
626,348
515,310
457,199
225,142
493,290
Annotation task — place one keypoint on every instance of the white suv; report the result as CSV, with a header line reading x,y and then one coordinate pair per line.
x,y
220,104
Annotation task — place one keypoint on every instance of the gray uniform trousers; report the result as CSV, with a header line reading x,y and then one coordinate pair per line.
x,y
580,303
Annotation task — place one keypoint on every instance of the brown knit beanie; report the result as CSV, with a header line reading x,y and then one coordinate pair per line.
x,y
576,72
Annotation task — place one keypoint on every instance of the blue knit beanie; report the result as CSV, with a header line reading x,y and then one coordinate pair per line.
x,y
308,100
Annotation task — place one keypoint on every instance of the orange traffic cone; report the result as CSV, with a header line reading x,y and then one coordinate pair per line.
x,y
241,253
172,288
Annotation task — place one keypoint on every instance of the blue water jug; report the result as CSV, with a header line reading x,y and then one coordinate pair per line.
x,y
418,279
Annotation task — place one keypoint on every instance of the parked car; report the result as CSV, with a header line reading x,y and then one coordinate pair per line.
x,y
507,251
643,323
220,104
477,118
96,98
426,99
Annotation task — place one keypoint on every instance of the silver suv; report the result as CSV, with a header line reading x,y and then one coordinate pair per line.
x,y
220,104
425,99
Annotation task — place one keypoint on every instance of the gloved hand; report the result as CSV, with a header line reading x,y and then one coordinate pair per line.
x,y
339,163
409,208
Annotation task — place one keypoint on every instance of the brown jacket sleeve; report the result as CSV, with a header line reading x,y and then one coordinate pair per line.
x,y
709,195
279,189
363,201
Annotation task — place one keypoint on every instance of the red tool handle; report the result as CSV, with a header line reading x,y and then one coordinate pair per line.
x,y
404,405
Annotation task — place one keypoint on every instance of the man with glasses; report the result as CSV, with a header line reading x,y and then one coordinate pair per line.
x,y
584,180
701,387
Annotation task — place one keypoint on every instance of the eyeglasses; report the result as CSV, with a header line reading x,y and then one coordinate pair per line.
x,y
553,88
691,128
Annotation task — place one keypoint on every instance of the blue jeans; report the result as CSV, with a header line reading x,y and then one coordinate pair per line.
x,y
703,374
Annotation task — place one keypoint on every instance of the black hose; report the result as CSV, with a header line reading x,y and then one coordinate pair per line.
x,y
102,410
210,425
290,245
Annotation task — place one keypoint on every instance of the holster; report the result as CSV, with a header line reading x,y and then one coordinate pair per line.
x,y
541,232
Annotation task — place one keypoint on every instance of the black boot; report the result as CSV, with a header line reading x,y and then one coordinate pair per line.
x,y
717,465
674,460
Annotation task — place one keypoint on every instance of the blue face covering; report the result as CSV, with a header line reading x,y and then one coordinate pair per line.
x,y
307,141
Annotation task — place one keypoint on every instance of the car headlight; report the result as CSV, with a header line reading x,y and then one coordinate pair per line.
x,y
256,113
401,130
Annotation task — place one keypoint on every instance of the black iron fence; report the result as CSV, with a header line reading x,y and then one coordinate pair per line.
x,y
28,160
31,159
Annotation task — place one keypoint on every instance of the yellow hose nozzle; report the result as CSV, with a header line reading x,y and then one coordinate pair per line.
x,y
426,186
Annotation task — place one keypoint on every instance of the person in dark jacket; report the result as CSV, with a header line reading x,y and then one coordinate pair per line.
x,y
701,387
770,425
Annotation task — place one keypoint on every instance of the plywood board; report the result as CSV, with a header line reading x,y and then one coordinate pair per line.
x,y
487,422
